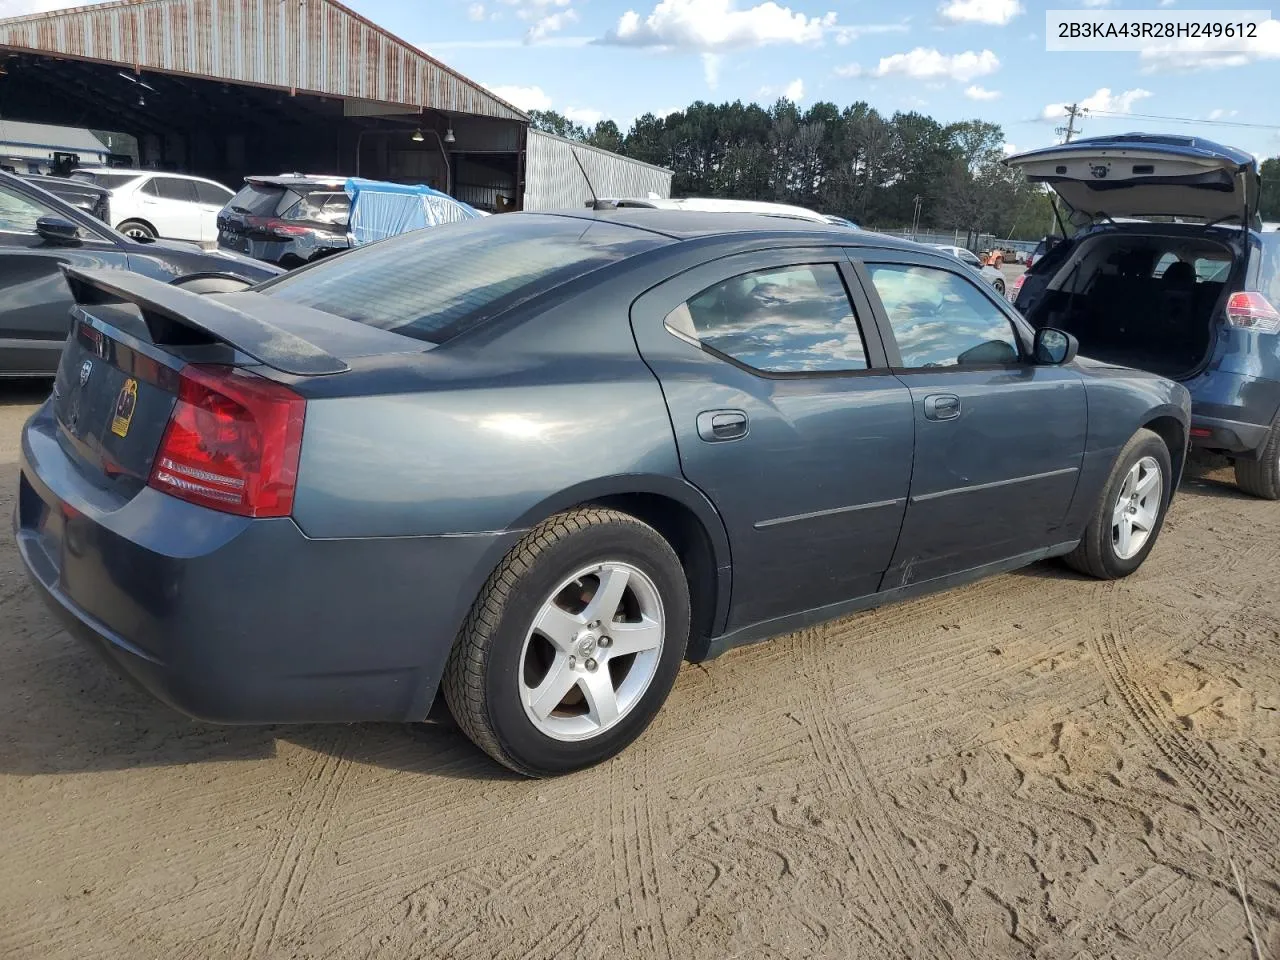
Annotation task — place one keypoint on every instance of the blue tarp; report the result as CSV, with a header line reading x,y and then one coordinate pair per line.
x,y
380,210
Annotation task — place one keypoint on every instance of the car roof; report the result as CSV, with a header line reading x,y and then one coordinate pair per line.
x,y
694,224
40,179
298,180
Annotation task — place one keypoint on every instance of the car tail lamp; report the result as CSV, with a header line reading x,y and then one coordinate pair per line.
x,y
1017,286
1252,311
232,443
279,228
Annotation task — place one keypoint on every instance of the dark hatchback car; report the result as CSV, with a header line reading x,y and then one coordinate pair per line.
x,y
288,220
1165,272
40,234
536,461
92,199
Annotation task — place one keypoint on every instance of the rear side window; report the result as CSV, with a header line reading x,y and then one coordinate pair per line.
x,y
437,283
108,181
786,320
1269,268
211,193
261,201
171,188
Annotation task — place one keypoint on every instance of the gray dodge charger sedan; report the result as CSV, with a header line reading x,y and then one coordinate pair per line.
x,y
535,461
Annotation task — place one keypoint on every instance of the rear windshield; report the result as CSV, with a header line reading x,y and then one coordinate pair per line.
x,y
436,283
108,181
320,206
260,201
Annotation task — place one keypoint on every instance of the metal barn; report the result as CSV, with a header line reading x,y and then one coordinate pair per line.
x,y
229,88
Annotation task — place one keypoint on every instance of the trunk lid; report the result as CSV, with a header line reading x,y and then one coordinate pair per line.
x,y
1147,175
119,376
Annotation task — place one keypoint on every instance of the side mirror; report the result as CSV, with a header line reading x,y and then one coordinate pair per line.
x,y
58,231
1054,347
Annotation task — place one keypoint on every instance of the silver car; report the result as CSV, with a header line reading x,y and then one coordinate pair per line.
x,y
992,275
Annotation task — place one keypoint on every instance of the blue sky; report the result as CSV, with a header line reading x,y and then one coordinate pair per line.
x,y
951,59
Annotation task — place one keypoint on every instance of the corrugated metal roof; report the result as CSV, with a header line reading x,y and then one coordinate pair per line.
x,y
314,46
48,137
554,181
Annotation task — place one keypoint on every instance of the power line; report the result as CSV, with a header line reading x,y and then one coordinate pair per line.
x,y
1072,111
1154,116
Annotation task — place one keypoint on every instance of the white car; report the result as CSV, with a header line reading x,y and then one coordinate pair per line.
x,y
992,275
718,205
146,204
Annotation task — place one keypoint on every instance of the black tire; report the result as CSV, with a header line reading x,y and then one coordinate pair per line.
x,y
138,230
1096,554
481,679
208,284
999,285
1261,477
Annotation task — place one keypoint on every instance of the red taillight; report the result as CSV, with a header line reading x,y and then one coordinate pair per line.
x,y
232,443
1251,310
1201,432
278,228
1017,286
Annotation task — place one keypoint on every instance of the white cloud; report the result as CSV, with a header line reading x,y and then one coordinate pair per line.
x,y
552,23
1188,55
1096,3
584,115
476,11
712,25
524,98
977,92
997,13
1167,3
847,35
793,91
1101,100
1222,114
928,64
1009,149
711,69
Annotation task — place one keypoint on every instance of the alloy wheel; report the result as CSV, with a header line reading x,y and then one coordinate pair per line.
x,y
1137,508
592,651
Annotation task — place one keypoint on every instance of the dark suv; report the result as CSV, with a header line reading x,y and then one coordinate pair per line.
x,y
289,220
1166,272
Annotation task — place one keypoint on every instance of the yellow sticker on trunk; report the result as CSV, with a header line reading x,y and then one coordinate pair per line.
x,y
125,404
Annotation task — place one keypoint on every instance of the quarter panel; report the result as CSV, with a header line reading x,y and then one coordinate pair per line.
x,y
481,455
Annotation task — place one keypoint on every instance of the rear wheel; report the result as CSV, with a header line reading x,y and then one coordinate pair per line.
x,y
1261,477
137,230
573,644
999,285
1130,512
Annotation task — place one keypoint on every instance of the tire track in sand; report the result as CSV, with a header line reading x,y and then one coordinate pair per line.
x,y
1200,770
896,897
284,869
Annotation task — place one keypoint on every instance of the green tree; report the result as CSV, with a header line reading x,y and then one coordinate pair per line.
x,y
548,121
1269,201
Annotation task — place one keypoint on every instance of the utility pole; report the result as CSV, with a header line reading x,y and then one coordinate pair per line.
x,y
1073,111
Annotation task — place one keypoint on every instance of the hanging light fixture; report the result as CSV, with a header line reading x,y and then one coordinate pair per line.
x,y
449,137
417,136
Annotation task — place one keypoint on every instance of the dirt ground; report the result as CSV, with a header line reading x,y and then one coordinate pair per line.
x,y
1035,766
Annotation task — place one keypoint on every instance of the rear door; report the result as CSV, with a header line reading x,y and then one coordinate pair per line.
x,y
35,304
212,198
173,208
998,440
786,416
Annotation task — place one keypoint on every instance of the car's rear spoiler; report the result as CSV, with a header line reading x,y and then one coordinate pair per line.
x,y
163,305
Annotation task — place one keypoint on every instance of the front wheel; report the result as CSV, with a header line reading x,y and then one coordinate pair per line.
x,y
1130,512
999,285
573,644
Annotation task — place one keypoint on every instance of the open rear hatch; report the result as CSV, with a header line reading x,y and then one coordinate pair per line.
x,y
191,393
1146,175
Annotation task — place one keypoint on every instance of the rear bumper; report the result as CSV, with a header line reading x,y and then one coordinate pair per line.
x,y
1230,436
278,251
1232,413
244,621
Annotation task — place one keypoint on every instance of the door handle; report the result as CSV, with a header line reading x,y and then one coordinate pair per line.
x,y
716,426
941,406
